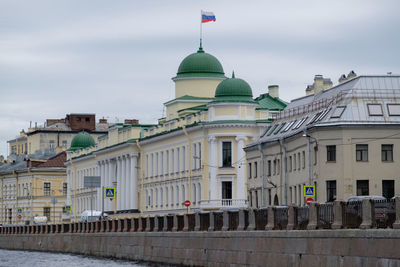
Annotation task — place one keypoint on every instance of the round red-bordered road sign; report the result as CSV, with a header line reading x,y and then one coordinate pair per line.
x,y
309,200
187,203
19,216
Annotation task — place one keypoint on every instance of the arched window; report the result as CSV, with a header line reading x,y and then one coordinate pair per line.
x,y
166,196
183,193
199,192
172,195
156,197
194,193
161,197
177,195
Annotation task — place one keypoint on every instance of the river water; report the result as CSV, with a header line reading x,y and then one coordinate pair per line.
x,y
17,258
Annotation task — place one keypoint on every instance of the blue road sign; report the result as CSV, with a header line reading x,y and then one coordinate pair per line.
x,y
109,192
309,190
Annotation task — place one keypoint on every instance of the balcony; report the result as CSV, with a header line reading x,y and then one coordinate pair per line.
x,y
223,204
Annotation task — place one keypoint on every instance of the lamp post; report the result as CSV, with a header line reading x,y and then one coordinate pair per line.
x,y
309,154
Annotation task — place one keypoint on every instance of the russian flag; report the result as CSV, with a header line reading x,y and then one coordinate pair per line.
x,y
207,16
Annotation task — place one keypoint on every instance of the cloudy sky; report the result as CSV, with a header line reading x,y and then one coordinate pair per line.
x,y
116,58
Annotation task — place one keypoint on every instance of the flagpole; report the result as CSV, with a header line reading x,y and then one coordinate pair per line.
x,y
201,27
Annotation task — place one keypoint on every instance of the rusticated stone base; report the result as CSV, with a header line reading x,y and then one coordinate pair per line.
x,y
347,247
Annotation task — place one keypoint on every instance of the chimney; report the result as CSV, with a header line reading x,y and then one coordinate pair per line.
x,y
351,75
318,84
342,78
103,120
273,91
133,122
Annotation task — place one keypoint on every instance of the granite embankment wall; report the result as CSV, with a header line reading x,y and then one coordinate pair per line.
x,y
343,247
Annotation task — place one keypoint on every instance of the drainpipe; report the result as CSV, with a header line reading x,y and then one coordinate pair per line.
x,y
262,173
283,147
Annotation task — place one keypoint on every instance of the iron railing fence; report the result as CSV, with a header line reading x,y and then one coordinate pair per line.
x,y
385,212
352,214
281,217
301,217
325,215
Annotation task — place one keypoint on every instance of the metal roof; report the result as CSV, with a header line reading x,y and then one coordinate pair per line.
x,y
373,100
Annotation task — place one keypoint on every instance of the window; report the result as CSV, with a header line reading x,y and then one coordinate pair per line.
x,y
362,187
162,163
147,165
278,167
64,143
194,157
178,159
269,167
51,144
46,212
387,152
249,171
87,119
172,160
256,198
393,109
156,174
299,161
331,153
290,163
183,158
269,197
255,169
338,112
78,119
304,159
362,152
294,162
226,154
375,110
152,165
199,156
65,189
274,166
167,165
388,188
226,190
46,189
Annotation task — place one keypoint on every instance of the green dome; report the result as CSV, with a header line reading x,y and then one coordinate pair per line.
x,y
200,64
82,140
234,89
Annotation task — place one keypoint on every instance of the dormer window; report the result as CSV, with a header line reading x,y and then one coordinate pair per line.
x,y
393,109
375,109
338,112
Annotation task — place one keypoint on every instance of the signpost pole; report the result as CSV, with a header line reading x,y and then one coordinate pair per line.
x,y
102,203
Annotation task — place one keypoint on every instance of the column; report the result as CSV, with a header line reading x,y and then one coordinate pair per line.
x,y
240,182
133,188
119,184
128,192
213,171
123,183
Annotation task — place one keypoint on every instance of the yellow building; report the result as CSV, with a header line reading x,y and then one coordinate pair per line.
x,y
28,187
19,145
194,153
55,135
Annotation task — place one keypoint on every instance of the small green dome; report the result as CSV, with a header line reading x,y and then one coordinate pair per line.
x,y
200,64
234,89
82,140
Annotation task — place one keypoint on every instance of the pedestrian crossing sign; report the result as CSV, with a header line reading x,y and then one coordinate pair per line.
x,y
67,208
309,191
19,211
109,192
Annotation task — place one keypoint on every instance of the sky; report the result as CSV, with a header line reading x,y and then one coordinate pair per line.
x,y
116,58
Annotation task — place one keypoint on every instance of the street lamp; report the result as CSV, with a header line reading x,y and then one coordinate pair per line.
x,y
309,153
